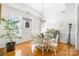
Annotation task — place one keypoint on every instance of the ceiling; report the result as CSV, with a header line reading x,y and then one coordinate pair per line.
x,y
48,7
36,6
50,10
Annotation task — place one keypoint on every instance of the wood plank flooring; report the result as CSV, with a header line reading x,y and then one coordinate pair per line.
x,y
24,49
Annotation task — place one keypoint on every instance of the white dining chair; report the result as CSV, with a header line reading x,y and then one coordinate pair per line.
x,y
36,42
53,44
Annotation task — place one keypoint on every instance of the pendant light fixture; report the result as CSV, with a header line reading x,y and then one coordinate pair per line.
x,y
42,17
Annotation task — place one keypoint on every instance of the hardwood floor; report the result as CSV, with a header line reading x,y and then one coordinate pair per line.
x,y
24,49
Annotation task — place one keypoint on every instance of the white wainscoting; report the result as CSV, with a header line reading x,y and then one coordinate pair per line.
x,y
77,42
64,37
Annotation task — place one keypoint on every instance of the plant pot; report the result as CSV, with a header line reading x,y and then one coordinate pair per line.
x,y
10,46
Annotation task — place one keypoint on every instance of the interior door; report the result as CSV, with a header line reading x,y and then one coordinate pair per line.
x,y
78,27
26,30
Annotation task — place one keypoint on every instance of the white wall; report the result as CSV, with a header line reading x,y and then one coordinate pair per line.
x,y
60,18
69,16
9,11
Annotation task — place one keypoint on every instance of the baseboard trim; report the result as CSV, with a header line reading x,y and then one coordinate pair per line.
x,y
22,42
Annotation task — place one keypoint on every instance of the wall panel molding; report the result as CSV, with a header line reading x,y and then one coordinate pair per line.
x,y
64,37
0,12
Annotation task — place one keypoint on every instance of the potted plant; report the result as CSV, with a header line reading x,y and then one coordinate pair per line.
x,y
11,29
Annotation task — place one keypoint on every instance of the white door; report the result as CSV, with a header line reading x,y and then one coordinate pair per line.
x,y
78,27
26,31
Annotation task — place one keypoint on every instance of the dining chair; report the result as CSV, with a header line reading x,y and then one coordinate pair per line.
x,y
53,44
37,43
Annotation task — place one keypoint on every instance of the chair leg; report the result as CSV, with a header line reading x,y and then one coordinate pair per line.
x,y
47,48
55,50
42,51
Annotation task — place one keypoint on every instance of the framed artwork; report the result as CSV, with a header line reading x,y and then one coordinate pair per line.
x,y
27,24
27,21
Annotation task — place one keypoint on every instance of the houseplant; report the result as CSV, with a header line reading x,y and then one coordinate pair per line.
x,y
11,30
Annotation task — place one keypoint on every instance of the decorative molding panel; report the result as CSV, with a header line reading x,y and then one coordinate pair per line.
x,y
0,10
64,37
